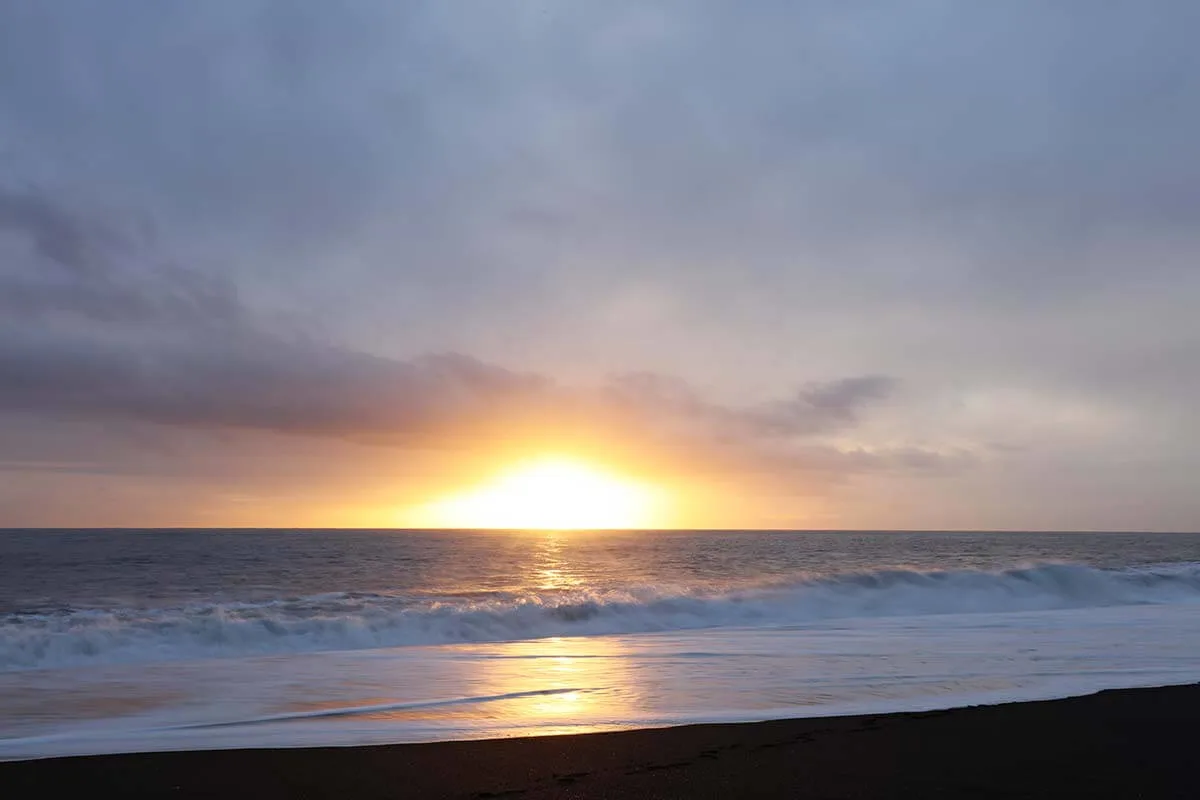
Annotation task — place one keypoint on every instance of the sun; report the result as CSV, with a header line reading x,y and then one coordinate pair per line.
x,y
550,494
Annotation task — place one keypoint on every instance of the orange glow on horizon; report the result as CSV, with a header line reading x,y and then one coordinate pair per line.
x,y
551,493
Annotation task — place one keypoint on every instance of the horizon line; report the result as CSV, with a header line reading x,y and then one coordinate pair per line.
x,y
198,528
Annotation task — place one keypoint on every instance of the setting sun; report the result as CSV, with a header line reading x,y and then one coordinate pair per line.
x,y
550,493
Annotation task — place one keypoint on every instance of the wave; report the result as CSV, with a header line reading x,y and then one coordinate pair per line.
x,y
358,621
361,710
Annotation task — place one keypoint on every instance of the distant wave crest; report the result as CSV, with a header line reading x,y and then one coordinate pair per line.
x,y
359,621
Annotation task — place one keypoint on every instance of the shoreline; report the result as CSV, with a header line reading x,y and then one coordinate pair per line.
x,y
1115,743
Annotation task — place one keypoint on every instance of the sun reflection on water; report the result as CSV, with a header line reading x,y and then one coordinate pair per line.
x,y
551,570
528,686
585,682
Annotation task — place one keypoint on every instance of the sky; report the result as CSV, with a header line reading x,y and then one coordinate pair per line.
x,y
808,263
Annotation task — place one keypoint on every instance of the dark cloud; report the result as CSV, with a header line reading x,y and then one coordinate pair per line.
x,y
434,401
54,234
62,262
162,345
818,408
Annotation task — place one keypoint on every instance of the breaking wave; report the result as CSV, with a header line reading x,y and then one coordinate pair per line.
x,y
358,621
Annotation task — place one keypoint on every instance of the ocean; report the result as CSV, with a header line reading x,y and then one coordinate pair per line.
x,y
128,641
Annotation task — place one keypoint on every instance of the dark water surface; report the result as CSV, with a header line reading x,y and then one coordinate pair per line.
x,y
44,571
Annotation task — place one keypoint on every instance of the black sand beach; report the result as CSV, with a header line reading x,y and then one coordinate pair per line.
x,y
1138,743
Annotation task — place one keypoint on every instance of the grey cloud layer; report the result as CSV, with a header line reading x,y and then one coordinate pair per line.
x,y
97,326
993,200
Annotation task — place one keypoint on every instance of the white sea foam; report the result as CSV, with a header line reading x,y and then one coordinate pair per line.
x,y
560,685
337,622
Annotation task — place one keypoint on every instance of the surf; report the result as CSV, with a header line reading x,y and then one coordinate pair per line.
x,y
355,621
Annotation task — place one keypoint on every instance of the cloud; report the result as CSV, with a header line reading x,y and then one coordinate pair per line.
x,y
53,233
98,327
61,262
814,410
989,200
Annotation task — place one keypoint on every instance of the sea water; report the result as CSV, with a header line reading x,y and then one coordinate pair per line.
x,y
114,641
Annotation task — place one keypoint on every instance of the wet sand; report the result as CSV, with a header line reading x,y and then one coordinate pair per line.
x,y
1138,743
